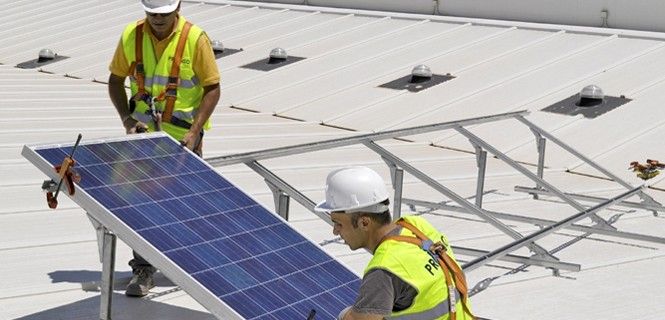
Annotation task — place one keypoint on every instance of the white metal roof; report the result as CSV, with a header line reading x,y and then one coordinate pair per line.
x,y
47,258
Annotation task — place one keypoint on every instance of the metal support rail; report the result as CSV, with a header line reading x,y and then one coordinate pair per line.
x,y
583,197
282,190
534,128
341,142
539,221
600,221
457,198
544,232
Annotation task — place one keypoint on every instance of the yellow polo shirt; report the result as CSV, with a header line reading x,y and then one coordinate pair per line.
x,y
204,64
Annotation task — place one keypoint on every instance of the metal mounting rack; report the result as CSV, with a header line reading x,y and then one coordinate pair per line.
x,y
283,191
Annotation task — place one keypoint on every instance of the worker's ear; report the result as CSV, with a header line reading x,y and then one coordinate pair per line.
x,y
364,222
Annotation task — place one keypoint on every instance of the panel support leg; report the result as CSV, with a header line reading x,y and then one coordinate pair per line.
x,y
540,146
282,200
108,269
481,162
397,179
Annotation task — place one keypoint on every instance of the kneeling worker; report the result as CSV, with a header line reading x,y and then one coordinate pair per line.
x,y
402,281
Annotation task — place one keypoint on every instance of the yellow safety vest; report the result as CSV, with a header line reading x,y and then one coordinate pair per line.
x,y
417,268
189,91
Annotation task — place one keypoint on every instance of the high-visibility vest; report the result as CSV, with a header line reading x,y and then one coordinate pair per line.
x,y
189,92
417,268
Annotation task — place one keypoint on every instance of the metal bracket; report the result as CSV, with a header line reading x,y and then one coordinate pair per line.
x,y
281,198
481,163
397,179
540,147
106,241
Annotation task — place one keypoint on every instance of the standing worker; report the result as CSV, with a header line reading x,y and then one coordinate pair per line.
x,y
174,88
402,280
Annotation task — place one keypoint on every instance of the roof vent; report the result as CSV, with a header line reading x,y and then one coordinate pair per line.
x,y
277,55
277,58
590,102
44,57
421,73
219,50
217,46
421,78
591,96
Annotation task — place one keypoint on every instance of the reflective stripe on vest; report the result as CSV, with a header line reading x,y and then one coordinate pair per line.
x,y
438,311
189,92
161,80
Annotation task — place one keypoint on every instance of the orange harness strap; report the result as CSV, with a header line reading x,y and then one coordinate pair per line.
x,y
449,267
171,90
138,57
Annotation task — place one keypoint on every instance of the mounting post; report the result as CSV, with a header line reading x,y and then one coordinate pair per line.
x,y
481,162
540,146
397,179
108,269
281,200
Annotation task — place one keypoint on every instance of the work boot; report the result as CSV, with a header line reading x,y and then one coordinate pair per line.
x,y
141,282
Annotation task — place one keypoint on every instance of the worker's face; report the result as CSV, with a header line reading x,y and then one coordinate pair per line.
x,y
354,237
162,23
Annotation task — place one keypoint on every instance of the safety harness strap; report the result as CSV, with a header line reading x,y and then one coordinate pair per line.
x,y
171,89
449,267
138,57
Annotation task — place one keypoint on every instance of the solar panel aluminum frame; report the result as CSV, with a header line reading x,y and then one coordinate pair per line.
x,y
176,274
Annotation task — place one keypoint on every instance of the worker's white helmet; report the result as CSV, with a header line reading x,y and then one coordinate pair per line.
x,y
354,189
160,6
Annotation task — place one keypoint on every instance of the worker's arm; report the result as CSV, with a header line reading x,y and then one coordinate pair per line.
x,y
118,97
208,102
349,314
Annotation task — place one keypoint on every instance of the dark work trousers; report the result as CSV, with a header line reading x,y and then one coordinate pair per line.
x,y
138,261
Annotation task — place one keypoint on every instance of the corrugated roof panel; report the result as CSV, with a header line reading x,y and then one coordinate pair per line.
x,y
381,69
498,65
255,47
486,76
454,58
334,54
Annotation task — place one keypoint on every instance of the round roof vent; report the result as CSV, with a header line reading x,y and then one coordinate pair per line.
x,y
591,95
421,73
421,70
45,55
278,53
217,45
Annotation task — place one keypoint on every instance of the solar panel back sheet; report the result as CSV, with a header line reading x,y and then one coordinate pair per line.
x,y
232,255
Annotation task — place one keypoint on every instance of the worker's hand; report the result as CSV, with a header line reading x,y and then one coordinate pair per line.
x,y
134,126
189,140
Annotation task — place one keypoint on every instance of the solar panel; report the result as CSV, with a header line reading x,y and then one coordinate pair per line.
x,y
231,254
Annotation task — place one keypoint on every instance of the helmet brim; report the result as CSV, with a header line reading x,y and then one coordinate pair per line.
x,y
161,9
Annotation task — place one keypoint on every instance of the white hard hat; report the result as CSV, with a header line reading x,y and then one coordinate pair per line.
x,y
353,188
160,6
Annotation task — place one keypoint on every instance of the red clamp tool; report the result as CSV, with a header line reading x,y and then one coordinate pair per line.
x,y
66,174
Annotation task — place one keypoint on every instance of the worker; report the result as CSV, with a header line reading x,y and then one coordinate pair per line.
x,y
401,281
174,88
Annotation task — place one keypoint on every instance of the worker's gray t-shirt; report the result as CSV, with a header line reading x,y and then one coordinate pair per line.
x,y
382,292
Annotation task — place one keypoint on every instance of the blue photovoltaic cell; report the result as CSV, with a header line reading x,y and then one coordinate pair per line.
x,y
229,244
